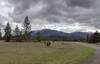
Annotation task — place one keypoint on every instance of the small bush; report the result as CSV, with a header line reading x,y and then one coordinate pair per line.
x,y
47,43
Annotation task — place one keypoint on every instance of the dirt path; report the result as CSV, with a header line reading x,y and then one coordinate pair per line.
x,y
95,59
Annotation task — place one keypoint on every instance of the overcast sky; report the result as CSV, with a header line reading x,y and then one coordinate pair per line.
x,y
63,15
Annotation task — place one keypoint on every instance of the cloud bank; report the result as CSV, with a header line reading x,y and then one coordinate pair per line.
x,y
61,15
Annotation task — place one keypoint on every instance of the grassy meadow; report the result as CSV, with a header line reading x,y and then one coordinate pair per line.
x,y
37,53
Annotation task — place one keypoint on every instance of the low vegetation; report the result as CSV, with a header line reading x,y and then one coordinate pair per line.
x,y
37,53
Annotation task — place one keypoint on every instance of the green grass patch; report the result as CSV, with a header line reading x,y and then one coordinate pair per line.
x,y
37,53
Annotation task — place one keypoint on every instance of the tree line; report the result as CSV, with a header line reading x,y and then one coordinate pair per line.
x,y
94,38
21,35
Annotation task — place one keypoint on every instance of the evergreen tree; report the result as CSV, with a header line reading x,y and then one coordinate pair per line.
x,y
87,37
7,32
0,35
27,28
95,37
38,36
17,34
17,31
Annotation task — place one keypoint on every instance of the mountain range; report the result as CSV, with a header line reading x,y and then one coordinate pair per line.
x,y
59,35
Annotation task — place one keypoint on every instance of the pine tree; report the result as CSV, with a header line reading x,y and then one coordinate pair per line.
x,y
95,37
0,35
38,36
27,28
7,32
17,31
17,34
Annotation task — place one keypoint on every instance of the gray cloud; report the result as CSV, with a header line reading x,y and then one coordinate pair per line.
x,y
3,19
57,11
81,3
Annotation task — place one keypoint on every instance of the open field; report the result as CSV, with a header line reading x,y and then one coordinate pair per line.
x,y
37,53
